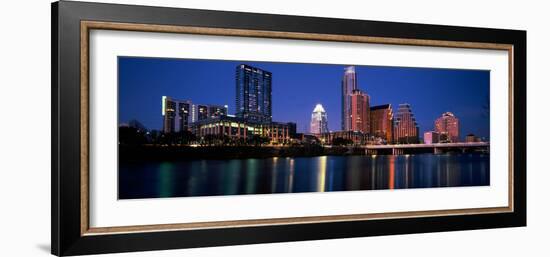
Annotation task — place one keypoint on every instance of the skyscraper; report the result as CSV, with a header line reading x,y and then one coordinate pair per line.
x,y
349,83
448,126
405,128
360,109
319,122
178,115
253,101
381,122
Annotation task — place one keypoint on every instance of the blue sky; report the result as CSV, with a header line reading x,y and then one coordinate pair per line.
x,y
297,88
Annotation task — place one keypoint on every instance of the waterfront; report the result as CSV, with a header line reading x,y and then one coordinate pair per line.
x,y
150,179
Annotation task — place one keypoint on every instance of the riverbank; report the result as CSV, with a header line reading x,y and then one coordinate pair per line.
x,y
164,153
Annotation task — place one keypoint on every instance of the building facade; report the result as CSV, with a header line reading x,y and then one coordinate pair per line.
x,y
431,137
253,94
178,115
349,84
354,137
405,126
240,130
381,122
360,109
448,126
319,120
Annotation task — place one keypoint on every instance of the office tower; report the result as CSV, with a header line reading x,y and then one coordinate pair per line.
x,y
169,114
448,125
319,122
349,84
381,122
184,113
360,109
178,115
405,128
253,98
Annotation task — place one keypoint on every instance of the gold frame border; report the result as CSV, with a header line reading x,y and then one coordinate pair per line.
x,y
86,26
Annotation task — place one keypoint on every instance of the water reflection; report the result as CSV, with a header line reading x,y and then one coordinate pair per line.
x,y
322,173
308,174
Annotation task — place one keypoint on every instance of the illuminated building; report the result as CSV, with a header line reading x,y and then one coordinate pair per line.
x,y
431,137
381,122
240,129
360,109
179,114
448,125
253,100
354,137
253,113
405,127
319,122
349,84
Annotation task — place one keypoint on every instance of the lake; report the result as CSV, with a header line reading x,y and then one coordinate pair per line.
x,y
147,179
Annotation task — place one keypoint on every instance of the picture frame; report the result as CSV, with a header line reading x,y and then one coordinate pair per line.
x,y
71,26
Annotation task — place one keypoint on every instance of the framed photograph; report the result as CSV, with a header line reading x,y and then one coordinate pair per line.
x,y
178,128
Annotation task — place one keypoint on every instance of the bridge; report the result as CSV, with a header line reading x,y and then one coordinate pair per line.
x,y
437,148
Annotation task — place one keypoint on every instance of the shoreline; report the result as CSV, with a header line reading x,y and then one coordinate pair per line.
x,y
169,153
172,153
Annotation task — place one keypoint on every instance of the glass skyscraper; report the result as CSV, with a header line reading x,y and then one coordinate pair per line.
x,y
349,84
319,121
253,101
360,111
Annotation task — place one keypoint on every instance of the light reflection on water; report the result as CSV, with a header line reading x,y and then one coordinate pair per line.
x,y
303,174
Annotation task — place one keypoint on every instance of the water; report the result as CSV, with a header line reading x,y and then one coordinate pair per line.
x,y
303,174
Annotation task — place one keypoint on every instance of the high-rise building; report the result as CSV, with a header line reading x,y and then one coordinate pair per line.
x,y
359,115
253,101
179,114
169,113
319,121
349,84
448,125
405,127
431,137
381,122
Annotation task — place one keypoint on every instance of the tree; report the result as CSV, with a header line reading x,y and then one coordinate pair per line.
x,y
258,140
185,137
131,136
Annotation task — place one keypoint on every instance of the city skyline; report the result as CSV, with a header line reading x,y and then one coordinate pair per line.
x,y
298,87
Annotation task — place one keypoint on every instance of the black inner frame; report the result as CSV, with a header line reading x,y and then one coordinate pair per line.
x,y
65,212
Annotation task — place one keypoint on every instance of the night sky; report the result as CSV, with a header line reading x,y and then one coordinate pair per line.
x,y
297,88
